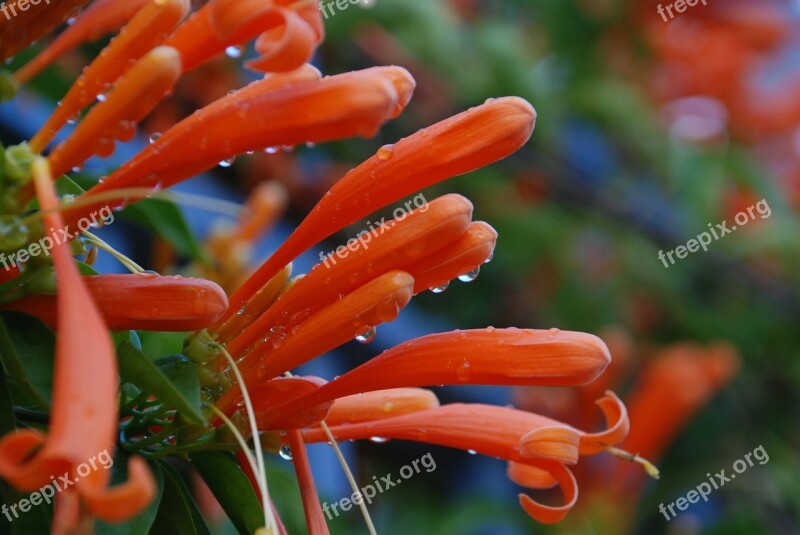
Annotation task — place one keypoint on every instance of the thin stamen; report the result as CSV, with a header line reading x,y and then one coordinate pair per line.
x,y
261,474
649,467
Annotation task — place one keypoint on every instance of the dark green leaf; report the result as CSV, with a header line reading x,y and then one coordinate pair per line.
x,y
164,219
27,347
173,381
232,489
177,513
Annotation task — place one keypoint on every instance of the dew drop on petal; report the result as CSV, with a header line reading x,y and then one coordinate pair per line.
x,y
386,152
489,259
378,440
228,162
272,150
366,337
285,453
470,275
311,145
440,289
234,52
472,452
464,371
154,137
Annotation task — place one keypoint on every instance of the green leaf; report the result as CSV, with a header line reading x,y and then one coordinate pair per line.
x,y
140,524
66,186
172,381
177,513
165,219
232,489
27,347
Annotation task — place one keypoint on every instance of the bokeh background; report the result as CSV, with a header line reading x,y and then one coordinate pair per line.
x,y
648,131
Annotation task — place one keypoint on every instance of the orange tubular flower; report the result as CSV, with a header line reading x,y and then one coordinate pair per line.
x,y
147,29
458,145
335,107
83,413
142,301
488,357
97,20
517,436
686,375
132,97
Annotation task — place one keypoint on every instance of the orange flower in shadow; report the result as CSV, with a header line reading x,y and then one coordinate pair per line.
x,y
83,414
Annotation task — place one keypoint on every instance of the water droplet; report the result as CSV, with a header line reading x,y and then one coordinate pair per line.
x,y
378,440
228,162
555,330
311,145
388,407
490,329
285,453
272,150
440,289
74,119
489,259
464,371
234,52
241,311
287,148
154,137
472,452
386,152
366,337
101,97
470,275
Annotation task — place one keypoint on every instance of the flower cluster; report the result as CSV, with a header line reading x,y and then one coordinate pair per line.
x,y
242,348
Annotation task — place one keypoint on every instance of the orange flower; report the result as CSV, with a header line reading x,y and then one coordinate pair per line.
x,y
516,436
83,420
142,301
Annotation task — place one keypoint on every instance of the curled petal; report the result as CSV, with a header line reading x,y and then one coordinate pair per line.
x,y
529,476
372,406
17,32
548,514
463,143
146,30
557,443
224,23
124,501
132,97
390,247
617,423
285,47
146,302
97,20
